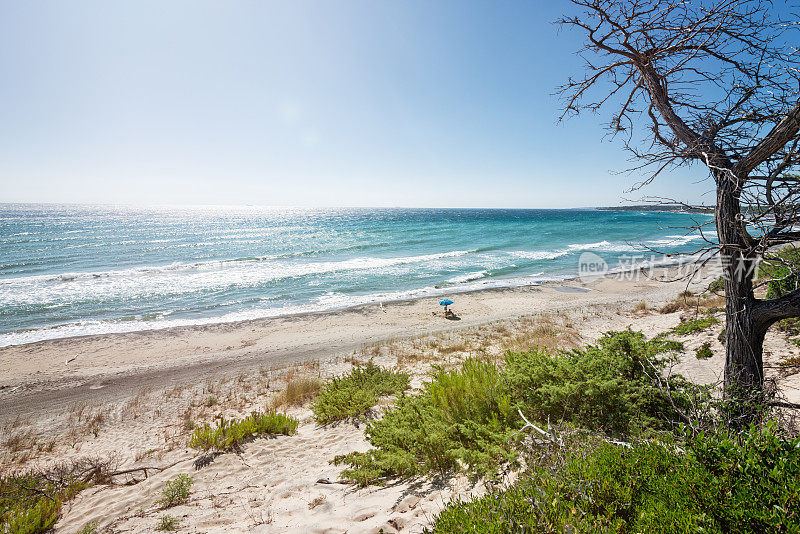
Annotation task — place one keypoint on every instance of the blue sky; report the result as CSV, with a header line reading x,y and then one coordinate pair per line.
x,y
445,104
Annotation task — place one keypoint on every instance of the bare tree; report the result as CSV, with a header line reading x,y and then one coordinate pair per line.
x,y
716,83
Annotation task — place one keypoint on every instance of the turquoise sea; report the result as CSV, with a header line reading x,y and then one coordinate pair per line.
x,y
70,270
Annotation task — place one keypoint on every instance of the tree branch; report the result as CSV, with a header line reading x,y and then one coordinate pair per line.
x,y
775,140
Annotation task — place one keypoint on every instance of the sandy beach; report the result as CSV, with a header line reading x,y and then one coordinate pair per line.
x,y
129,399
56,373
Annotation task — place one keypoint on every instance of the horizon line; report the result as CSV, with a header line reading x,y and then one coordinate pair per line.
x,y
300,207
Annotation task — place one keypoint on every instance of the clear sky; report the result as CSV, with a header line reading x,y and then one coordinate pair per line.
x,y
327,103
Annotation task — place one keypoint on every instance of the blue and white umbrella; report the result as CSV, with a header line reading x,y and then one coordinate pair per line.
x,y
445,303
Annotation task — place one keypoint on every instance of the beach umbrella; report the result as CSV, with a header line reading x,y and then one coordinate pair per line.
x,y
445,303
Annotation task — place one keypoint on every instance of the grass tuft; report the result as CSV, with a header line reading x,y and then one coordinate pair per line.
x,y
688,301
298,391
167,523
89,528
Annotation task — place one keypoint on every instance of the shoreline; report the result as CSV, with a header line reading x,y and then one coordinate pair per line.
x,y
39,376
211,322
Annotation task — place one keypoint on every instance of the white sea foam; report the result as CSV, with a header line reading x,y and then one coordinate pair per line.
x,y
186,278
675,240
538,254
329,301
604,246
469,277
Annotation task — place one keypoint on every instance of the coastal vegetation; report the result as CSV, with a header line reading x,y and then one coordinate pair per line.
x,y
717,481
695,325
689,302
464,419
779,268
299,390
230,434
31,502
355,393
704,352
609,439
176,491
167,523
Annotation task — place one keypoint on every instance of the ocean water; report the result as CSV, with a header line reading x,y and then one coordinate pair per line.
x,y
77,270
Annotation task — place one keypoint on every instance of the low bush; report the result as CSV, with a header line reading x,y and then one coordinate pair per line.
x,y
717,286
354,394
31,503
781,267
464,419
725,482
703,352
790,326
695,325
609,387
462,416
176,491
229,434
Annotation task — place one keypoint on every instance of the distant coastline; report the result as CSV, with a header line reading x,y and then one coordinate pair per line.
x,y
668,208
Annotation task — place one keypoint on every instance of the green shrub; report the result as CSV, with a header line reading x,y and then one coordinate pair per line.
x,y
725,483
31,503
176,491
693,326
608,387
782,268
749,482
703,352
717,286
167,523
355,393
462,418
790,326
229,434
40,516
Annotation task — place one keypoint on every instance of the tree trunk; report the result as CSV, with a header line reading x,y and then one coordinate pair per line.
x,y
744,331
744,341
